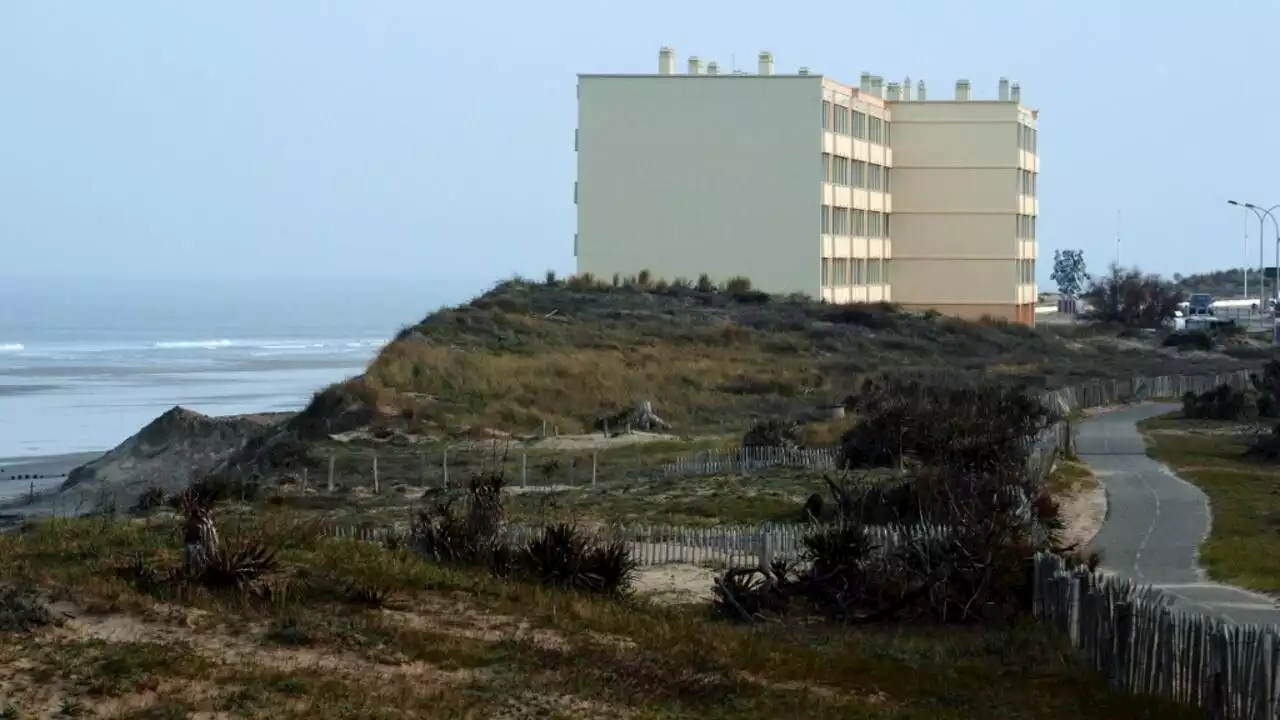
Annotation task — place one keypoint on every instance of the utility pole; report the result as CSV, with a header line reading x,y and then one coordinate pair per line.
x,y
1245,270
1117,238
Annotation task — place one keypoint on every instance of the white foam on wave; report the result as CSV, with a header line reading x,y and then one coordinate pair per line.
x,y
192,344
12,347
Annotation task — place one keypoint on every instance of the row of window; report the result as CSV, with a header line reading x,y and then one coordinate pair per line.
x,y
1026,227
855,271
858,223
847,121
1026,271
1027,138
841,170
1027,182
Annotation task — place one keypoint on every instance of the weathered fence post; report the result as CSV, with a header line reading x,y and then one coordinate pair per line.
x,y
375,473
333,460
444,466
593,467
524,468
766,550
1123,645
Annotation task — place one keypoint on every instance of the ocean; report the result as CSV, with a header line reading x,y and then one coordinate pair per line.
x,y
80,373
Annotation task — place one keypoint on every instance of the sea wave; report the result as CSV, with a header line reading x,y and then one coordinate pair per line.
x,y
275,346
191,344
12,347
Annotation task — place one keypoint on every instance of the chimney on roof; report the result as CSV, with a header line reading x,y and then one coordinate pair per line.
x,y
695,65
666,61
766,63
893,92
920,91
804,71
1015,93
877,86
906,89
864,83
1004,90
713,68
962,89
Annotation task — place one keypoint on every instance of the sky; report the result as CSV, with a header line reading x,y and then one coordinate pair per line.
x,y
429,145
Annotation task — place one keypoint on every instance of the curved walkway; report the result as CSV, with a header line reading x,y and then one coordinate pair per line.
x,y
1156,521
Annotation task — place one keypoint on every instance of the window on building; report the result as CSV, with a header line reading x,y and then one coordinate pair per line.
x,y
875,130
886,179
826,114
1035,176
886,224
873,271
859,125
842,120
887,140
1033,227
860,223
1034,139
826,219
859,173
874,178
842,271
876,228
826,167
859,271
842,170
884,272
840,221
826,271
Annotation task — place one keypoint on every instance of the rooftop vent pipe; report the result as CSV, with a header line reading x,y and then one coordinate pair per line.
x,y
1004,89
766,63
666,61
962,90
695,65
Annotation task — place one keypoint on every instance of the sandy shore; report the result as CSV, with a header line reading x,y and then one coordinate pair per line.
x,y
17,475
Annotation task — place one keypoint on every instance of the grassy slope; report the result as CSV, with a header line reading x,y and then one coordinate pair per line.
x,y
571,352
454,644
1243,547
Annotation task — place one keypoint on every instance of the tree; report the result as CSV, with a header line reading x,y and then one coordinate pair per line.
x,y
1069,271
1127,296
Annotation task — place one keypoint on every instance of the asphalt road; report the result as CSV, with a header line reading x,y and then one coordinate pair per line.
x,y
1156,521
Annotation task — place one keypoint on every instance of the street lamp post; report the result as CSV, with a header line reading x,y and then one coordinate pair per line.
x,y
1263,214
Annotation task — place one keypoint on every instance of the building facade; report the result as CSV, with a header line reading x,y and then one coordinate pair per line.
x,y
794,181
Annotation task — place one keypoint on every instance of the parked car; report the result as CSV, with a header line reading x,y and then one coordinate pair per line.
x,y
1200,304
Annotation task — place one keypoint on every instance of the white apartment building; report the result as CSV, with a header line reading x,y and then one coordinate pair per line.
x,y
797,182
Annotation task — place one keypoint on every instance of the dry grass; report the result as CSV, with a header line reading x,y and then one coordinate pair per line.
x,y
456,644
569,353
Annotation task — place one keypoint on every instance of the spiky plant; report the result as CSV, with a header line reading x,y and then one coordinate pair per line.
x,y
241,565
562,556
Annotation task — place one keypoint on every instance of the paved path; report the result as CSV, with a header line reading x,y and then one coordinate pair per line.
x,y
1156,521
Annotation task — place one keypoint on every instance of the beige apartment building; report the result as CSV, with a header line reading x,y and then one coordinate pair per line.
x,y
805,184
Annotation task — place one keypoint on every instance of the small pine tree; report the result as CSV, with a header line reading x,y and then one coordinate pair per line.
x,y
705,284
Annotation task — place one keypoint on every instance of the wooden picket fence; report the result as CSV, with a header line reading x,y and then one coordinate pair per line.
x,y
1129,633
